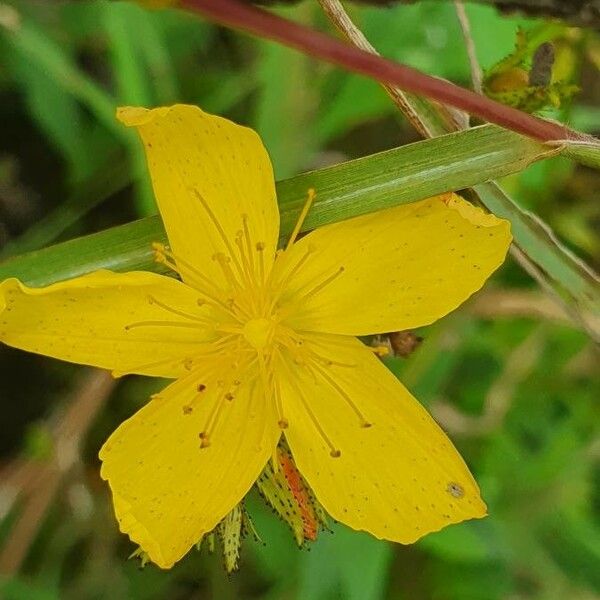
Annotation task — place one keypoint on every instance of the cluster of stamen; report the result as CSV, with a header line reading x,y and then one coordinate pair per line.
x,y
248,322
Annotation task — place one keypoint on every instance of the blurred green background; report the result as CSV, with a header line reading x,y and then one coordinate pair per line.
x,y
512,381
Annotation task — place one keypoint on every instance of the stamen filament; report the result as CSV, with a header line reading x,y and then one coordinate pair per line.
x,y
212,421
229,275
323,284
247,269
225,396
176,262
335,385
248,242
166,257
307,204
248,272
178,312
234,330
260,248
116,373
327,361
164,324
219,229
281,420
271,387
289,308
333,451
281,285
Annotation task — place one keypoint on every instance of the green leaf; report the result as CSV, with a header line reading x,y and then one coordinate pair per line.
x,y
283,108
332,566
372,183
108,179
133,83
572,278
35,46
20,589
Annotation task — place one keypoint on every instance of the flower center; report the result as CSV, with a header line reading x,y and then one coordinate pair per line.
x,y
259,332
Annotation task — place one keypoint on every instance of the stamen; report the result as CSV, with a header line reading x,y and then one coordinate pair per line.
x,y
229,275
307,204
333,451
211,422
281,420
232,330
165,255
323,284
282,284
334,384
119,373
260,248
311,352
248,241
248,270
287,340
178,312
219,229
163,324
175,263
271,386
225,396
379,350
291,306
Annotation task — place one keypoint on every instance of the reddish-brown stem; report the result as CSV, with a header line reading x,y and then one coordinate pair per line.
x,y
262,23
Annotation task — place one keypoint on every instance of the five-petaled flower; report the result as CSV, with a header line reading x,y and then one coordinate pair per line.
x,y
260,343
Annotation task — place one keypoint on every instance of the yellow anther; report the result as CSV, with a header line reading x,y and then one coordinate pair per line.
x,y
380,350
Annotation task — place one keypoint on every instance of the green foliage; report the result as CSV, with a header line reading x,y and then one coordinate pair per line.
x,y
525,78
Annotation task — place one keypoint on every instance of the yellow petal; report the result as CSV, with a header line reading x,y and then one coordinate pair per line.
x,y
167,491
398,479
392,270
84,320
207,173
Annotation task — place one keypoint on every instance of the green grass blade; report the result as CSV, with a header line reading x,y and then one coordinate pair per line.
x,y
572,278
398,176
108,179
27,39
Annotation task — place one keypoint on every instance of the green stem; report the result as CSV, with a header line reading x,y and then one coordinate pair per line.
x,y
376,182
262,23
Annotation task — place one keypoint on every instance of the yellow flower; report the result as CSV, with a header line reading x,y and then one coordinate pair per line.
x,y
261,343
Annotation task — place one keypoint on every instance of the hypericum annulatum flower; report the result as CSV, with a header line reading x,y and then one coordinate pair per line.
x,y
260,343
